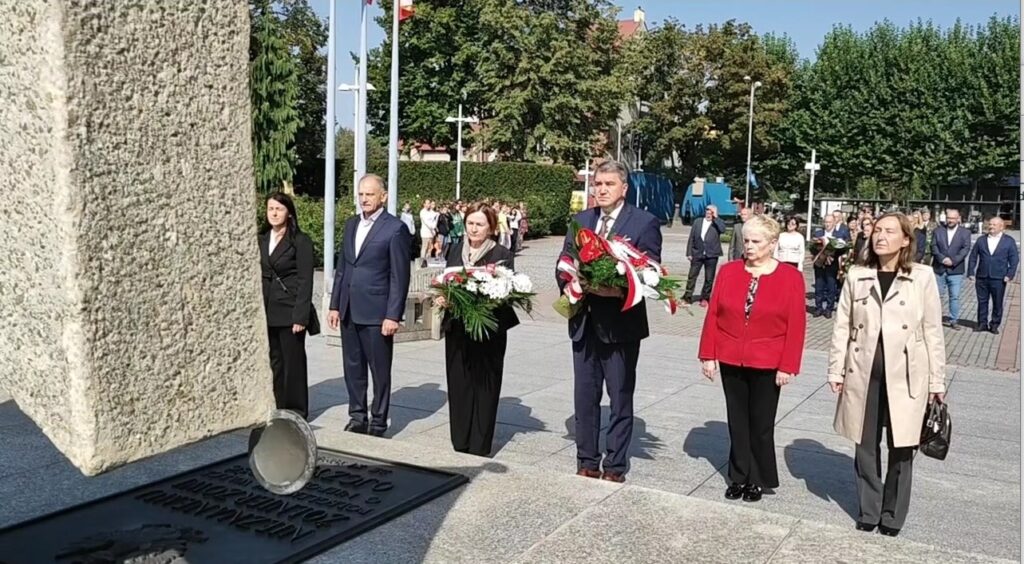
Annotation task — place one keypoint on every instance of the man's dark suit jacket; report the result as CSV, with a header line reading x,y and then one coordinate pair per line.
x,y
373,285
609,323
711,245
287,299
499,255
1002,264
957,250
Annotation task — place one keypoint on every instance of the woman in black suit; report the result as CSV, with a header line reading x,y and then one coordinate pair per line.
x,y
286,260
475,368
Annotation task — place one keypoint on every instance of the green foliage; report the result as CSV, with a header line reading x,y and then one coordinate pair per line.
x,y
274,92
306,35
538,74
474,310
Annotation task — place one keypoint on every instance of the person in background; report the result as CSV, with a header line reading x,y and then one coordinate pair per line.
x,y
950,246
504,233
703,250
410,222
736,244
930,227
458,230
428,230
474,369
826,274
524,225
920,236
860,246
754,334
992,265
842,231
444,228
887,362
514,218
792,246
286,263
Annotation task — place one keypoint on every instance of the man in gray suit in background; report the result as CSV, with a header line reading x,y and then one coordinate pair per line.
x,y
736,245
703,251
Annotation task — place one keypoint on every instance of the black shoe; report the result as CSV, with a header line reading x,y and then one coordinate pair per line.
x,y
734,491
752,493
981,328
817,313
354,427
376,432
887,531
866,527
994,329
828,315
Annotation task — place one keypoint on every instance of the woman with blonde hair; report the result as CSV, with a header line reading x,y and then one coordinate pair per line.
x,y
920,236
885,374
754,334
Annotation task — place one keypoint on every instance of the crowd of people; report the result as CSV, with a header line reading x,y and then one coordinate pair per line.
x,y
884,375
442,226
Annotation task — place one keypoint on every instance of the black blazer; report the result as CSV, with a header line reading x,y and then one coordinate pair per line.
x,y
604,315
711,245
500,255
288,295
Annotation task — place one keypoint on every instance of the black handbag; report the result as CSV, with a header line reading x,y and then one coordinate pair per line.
x,y
936,432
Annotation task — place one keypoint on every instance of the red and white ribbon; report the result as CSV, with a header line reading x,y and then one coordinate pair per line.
x,y
568,272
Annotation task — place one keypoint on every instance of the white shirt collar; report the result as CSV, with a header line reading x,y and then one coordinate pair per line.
x,y
615,212
372,218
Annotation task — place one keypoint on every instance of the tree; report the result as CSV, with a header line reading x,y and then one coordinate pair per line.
x,y
274,91
306,36
537,73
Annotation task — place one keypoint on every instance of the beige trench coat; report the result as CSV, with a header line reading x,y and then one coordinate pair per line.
x,y
910,321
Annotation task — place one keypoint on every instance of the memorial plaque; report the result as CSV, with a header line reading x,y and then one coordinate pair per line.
x,y
218,513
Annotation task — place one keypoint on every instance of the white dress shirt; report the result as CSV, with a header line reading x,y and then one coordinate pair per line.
x,y
993,243
363,229
950,231
705,224
791,248
614,215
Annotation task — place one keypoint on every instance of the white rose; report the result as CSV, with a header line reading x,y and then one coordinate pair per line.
x,y
620,268
472,286
504,271
651,278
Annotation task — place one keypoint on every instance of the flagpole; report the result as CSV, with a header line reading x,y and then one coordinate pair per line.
x,y
360,127
393,142
329,155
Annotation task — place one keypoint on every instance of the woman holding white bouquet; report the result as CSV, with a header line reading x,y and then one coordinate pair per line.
x,y
475,365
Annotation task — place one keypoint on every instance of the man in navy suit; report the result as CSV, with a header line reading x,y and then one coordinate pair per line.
x,y
992,265
606,340
703,249
950,246
371,284
826,276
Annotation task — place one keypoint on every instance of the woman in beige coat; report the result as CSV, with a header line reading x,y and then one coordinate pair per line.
x,y
886,373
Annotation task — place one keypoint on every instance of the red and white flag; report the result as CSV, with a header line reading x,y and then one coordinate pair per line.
x,y
405,9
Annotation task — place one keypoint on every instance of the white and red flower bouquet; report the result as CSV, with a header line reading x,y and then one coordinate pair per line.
x,y
472,294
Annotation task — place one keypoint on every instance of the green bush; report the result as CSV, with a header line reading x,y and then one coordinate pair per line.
x,y
311,221
545,189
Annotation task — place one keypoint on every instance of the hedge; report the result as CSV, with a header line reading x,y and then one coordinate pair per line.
x,y
546,189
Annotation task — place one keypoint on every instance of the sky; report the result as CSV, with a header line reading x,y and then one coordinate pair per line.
x,y
805,21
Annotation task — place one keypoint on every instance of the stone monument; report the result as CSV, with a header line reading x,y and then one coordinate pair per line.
x,y
131,316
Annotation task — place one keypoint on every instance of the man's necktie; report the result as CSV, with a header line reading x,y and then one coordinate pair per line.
x,y
605,220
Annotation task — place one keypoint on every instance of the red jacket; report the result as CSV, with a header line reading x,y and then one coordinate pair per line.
x,y
773,338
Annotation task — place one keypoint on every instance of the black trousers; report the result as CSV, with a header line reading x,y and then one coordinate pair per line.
x,y
709,265
288,362
363,347
751,402
474,372
994,289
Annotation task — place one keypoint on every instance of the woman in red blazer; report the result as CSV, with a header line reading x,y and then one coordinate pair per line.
x,y
754,334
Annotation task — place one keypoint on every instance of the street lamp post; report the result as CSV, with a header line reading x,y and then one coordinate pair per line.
x,y
811,167
750,135
357,130
458,151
